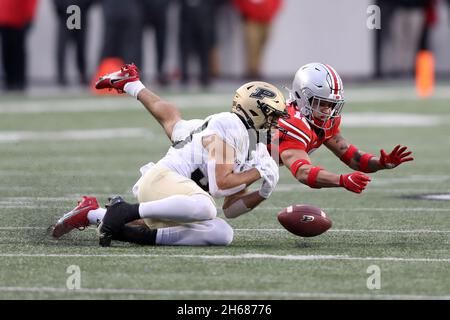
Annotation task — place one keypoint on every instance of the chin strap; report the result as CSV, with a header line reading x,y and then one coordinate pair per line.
x,y
247,121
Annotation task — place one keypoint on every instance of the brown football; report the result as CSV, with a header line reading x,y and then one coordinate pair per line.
x,y
304,220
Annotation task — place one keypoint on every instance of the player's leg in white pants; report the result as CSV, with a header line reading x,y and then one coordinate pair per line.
x,y
214,232
179,208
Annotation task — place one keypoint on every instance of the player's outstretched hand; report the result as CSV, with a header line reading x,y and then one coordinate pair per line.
x,y
396,157
354,182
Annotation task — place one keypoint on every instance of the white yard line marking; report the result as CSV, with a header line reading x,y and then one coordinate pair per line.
x,y
21,201
106,104
225,293
279,230
372,119
217,101
369,209
352,230
98,134
39,205
226,257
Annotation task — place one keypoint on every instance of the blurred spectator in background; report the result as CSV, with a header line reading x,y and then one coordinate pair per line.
x,y
407,23
429,22
214,60
257,16
15,21
122,30
196,25
155,15
77,36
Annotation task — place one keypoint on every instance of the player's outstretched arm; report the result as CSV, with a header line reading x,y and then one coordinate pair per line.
x,y
316,177
366,162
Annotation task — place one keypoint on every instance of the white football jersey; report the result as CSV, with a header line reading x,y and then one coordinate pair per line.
x,y
187,154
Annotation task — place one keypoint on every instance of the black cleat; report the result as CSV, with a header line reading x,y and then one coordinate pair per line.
x,y
104,236
118,213
113,201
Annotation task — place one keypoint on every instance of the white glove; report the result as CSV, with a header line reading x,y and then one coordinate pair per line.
x,y
268,169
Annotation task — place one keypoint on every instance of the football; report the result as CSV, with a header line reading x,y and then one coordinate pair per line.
x,y
304,220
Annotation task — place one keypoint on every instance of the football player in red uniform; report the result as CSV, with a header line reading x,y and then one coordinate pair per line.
x,y
315,106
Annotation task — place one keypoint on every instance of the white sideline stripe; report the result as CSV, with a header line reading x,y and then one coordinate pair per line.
x,y
228,293
96,104
74,197
373,119
15,136
225,257
211,101
280,230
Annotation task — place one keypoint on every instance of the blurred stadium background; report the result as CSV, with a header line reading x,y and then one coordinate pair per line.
x,y
59,141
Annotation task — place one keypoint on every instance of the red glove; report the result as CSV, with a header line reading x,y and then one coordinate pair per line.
x,y
395,158
354,182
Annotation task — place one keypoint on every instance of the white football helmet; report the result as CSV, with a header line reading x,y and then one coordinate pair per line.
x,y
260,104
314,84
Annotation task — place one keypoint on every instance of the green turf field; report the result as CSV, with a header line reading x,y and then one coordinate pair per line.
x,y
55,150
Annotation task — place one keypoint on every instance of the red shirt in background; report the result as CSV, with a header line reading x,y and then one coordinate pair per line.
x,y
17,13
258,10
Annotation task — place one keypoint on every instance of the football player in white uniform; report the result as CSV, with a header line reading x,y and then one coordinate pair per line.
x,y
216,157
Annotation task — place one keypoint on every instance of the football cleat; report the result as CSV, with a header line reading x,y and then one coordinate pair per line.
x,y
117,80
118,213
76,218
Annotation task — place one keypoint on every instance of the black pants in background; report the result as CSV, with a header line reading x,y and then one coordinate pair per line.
x,y
195,37
155,16
14,57
66,37
122,30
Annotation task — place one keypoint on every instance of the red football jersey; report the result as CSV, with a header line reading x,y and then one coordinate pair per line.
x,y
301,136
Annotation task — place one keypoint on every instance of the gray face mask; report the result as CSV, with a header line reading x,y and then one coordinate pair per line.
x,y
311,110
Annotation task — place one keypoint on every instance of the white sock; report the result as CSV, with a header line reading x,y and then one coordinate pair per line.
x,y
133,88
205,233
96,216
179,208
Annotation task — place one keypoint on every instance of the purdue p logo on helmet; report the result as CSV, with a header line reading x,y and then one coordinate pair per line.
x,y
260,104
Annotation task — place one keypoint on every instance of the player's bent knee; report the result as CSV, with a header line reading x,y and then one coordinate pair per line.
x,y
204,208
221,234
